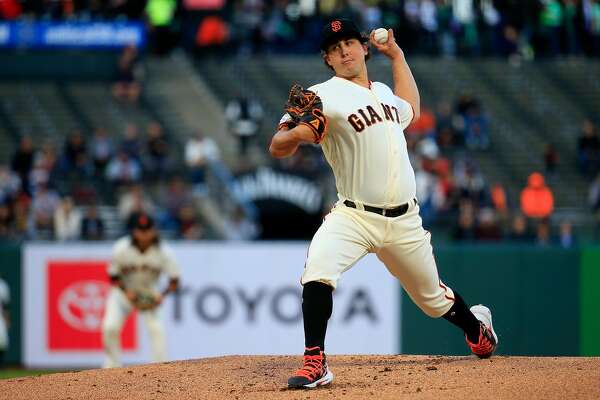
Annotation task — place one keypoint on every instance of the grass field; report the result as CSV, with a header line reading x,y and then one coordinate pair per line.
x,y
19,372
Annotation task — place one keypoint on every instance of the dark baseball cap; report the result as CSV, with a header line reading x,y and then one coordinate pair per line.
x,y
338,29
143,221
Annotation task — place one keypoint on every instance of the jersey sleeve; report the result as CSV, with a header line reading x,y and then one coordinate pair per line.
x,y
405,111
169,265
114,269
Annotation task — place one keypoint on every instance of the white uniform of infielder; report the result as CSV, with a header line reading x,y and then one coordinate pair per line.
x,y
377,211
4,303
137,263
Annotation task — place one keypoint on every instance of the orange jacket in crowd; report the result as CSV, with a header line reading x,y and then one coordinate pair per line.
x,y
537,200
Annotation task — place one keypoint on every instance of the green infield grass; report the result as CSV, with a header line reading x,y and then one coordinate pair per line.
x,y
19,372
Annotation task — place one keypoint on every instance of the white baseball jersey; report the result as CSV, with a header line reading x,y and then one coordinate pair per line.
x,y
365,143
4,302
366,149
141,270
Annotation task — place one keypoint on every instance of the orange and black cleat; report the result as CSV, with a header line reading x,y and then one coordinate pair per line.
x,y
313,373
488,340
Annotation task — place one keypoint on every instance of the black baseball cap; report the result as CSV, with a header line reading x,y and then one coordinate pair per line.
x,y
143,221
338,29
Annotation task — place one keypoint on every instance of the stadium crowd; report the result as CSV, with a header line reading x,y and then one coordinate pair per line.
x,y
58,193
42,186
530,28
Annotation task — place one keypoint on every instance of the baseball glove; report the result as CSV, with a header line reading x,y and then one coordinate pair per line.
x,y
145,299
306,108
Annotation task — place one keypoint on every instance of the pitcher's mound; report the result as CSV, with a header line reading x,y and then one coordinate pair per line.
x,y
356,377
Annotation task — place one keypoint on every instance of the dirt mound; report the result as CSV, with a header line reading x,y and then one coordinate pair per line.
x,y
356,377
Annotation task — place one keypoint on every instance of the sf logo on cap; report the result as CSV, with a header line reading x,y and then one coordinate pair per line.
x,y
336,26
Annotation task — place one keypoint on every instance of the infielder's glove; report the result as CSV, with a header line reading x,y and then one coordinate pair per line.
x,y
306,108
145,299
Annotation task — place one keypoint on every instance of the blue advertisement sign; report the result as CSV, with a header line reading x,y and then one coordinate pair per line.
x,y
40,35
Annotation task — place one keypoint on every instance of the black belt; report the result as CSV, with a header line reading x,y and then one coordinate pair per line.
x,y
386,212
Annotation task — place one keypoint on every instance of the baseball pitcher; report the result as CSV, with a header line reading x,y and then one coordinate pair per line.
x,y
137,263
360,127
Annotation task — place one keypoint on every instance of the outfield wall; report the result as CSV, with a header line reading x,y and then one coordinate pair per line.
x,y
244,298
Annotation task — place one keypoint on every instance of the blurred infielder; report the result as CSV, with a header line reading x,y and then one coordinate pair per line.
x,y
4,318
137,263
359,125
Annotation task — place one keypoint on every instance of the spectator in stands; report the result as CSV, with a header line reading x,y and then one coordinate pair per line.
x,y
425,126
43,206
588,149
200,150
172,198
476,128
21,216
551,24
464,15
134,200
591,19
46,169
6,222
240,227
487,229
428,191
74,162
550,160
519,231
123,170
543,235
131,143
159,15
102,150
570,32
188,224
498,199
465,228
566,236
158,160
470,182
244,115
92,226
22,161
211,35
446,135
537,200
10,184
67,220
127,86
10,9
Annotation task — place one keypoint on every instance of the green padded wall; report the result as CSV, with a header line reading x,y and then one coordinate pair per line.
x,y
533,293
590,301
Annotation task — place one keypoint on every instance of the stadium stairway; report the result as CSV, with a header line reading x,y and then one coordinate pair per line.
x,y
185,103
35,109
229,80
548,111
95,107
578,81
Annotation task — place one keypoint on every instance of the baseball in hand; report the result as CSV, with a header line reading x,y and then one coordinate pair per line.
x,y
381,35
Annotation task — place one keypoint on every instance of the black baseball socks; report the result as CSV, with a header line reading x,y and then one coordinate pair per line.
x,y
317,305
460,315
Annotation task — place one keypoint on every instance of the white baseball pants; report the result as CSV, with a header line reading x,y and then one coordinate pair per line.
x,y
348,234
118,308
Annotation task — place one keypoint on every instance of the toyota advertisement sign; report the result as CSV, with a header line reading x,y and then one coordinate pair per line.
x,y
242,298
